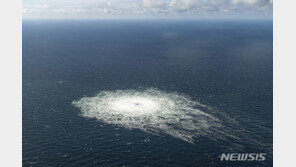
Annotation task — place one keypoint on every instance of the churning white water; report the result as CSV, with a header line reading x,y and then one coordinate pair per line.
x,y
150,110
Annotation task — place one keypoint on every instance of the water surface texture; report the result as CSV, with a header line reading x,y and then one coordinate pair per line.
x,y
146,93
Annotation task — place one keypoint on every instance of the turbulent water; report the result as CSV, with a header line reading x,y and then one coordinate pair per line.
x,y
146,93
150,110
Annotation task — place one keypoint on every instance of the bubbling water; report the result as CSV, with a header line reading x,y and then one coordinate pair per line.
x,y
134,104
150,110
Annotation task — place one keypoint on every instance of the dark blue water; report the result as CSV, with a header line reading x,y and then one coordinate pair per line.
x,y
227,65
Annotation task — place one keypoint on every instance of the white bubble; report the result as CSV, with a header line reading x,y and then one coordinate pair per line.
x,y
150,110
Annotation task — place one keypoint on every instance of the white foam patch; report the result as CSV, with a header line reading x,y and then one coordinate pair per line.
x,y
150,110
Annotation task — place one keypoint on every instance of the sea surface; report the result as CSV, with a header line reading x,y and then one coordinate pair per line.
x,y
225,65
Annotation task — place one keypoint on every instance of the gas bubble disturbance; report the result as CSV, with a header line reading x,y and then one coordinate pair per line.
x,y
150,110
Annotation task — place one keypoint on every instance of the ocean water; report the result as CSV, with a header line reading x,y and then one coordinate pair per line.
x,y
146,92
